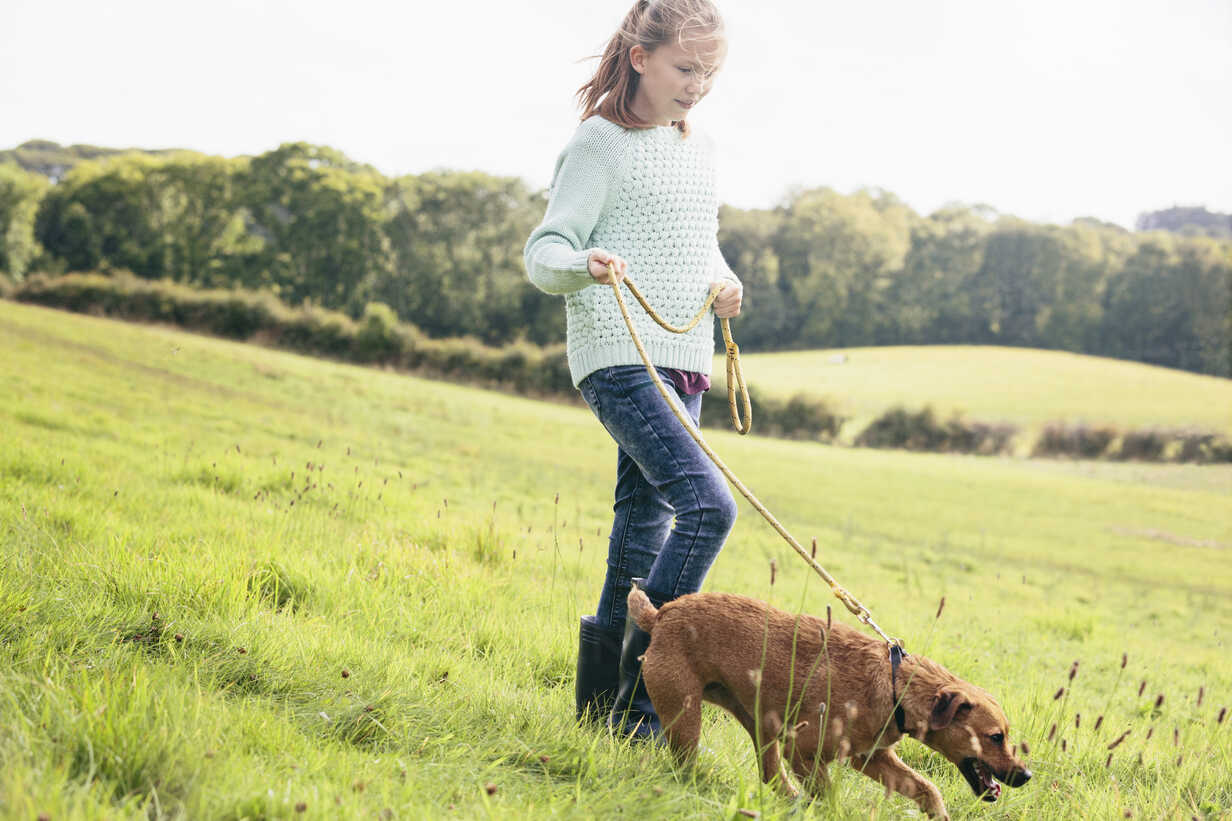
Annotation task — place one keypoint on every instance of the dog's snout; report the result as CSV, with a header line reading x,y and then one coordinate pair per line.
x,y
1019,777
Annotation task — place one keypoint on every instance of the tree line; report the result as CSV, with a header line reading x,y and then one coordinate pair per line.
x,y
443,251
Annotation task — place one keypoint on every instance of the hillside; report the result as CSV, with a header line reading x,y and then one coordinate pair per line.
x,y
1027,387
239,583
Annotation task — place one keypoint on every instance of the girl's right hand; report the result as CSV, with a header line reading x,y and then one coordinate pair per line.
x,y
597,262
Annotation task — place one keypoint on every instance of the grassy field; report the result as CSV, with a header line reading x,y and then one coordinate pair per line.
x,y
237,583
1023,386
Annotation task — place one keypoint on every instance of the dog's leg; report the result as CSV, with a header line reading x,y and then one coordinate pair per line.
x,y
886,767
677,698
767,746
812,772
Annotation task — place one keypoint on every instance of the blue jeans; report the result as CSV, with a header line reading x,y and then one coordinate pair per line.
x,y
661,473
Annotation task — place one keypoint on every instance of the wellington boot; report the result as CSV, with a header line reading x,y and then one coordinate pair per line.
x,y
598,670
633,714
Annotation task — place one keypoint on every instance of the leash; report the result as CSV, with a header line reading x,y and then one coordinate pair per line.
x,y
735,373
849,601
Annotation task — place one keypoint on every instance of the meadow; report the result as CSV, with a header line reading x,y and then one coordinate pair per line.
x,y
1025,387
239,583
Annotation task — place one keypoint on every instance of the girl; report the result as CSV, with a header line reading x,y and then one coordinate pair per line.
x,y
634,190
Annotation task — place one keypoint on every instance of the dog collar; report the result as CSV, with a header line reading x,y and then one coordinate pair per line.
x,y
897,654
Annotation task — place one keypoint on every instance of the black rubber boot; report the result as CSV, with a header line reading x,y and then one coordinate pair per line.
x,y
633,714
598,670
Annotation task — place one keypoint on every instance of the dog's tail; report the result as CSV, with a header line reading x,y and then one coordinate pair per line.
x,y
643,613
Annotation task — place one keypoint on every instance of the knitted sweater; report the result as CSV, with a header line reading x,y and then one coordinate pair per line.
x,y
646,195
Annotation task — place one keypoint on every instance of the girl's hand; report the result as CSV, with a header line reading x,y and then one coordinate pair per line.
x,y
597,263
728,303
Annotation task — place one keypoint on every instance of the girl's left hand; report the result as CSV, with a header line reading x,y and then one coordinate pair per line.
x,y
728,303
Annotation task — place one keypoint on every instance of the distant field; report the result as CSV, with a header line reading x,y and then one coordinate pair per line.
x,y
237,583
1023,386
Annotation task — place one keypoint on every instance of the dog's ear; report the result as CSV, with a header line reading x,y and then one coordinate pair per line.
x,y
946,705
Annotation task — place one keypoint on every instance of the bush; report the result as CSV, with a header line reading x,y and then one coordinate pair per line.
x,y
800,417
1142,446
900,428
380,337
1078,441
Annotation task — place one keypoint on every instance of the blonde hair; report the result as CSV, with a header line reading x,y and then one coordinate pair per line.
x,y
650,24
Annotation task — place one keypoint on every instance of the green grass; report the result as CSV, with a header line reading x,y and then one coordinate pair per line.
x,y
198,539
1026,387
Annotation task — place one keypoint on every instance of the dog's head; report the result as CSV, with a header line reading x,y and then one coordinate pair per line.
x,y
969,728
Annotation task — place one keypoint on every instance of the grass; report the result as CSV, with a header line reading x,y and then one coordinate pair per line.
x,y
237,583
1026,387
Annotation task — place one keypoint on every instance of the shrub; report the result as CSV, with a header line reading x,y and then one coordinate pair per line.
x,y
1143,446
379,338
1078,441
899,428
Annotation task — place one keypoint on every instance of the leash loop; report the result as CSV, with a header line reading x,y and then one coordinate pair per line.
x,y
734,374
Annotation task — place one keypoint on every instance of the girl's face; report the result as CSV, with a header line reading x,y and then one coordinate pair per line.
x,y
674,78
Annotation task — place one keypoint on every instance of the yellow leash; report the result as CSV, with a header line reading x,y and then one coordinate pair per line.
x,y
734,372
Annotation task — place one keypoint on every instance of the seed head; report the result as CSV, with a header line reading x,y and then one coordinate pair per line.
x,y
1119,739
1108,763
940,607
1201,694
1176,737
1150,732
774,567
1159,701
1141,688
814,547
1063,745
301,807
491,788
1099,721
1073,671
1060,692
179,637
1223,712
1053,731
1077,720
1124,660
1025,749
346,673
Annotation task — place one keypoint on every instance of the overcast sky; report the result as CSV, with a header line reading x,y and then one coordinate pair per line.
x,y
1047,109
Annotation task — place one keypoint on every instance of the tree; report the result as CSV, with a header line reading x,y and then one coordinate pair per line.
x,y
20,194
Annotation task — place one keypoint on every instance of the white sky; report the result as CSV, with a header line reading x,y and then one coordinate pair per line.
x,y
1047,109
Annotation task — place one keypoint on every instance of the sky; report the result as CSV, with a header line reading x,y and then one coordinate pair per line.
x,y
1045,109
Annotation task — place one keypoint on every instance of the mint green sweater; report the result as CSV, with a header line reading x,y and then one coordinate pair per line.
x,y
647,195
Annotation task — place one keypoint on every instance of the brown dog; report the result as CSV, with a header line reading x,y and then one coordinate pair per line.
x,y
822,693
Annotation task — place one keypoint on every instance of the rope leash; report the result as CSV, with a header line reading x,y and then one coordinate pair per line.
x,y
733,366
735,373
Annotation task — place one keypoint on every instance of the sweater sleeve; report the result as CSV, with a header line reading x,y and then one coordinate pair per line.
x,y
587,176
720,267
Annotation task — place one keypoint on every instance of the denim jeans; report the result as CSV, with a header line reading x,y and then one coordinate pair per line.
x,y
661,473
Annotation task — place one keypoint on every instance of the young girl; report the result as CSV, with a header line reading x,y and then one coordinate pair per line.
x,y
634,190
